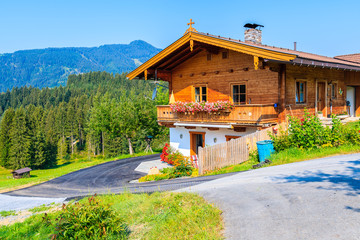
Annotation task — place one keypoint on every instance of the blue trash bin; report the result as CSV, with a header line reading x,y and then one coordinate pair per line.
x,y
265,148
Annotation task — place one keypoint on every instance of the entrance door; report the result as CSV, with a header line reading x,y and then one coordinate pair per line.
x,y
350,98
321,99
197,139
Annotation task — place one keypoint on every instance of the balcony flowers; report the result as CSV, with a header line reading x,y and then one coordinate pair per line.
x,y
201,106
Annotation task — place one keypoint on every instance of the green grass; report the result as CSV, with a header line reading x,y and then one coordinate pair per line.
x,y
289,156
41,208
7,213
354,125
156,216
297,155
7,183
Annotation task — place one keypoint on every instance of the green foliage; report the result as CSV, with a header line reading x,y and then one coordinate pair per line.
x,y
154,177
40,208
7,213
87,220
164,215
182,170
308,133
97,112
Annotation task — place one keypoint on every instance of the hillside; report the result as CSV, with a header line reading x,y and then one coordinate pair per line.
x,y
50,67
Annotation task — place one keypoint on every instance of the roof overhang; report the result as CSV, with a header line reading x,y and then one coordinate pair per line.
x,y
315,63
192,43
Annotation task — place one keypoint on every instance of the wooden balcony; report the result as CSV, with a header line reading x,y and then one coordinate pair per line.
x,y
246,115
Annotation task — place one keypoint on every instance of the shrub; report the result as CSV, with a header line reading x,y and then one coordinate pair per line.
x,y
183,170
308,133
176,158
89,220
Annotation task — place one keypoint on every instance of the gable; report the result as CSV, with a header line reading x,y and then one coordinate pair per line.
x,y
191,44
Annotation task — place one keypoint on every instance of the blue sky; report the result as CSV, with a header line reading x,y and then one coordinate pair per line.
x,y
324,27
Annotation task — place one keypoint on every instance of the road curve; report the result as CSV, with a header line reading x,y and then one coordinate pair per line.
x,y
110,177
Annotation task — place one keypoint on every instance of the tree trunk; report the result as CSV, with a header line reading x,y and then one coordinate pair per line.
x,y
103,145
80,135
131,151
72,144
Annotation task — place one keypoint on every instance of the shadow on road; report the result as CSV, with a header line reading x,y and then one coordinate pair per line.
x,y
348,179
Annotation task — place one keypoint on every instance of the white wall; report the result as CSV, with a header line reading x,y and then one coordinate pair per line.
x,y
183,144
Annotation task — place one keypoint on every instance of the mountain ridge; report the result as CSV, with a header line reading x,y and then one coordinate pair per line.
x,y
50,67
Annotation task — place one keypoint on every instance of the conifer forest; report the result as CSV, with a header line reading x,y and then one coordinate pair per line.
x,y
96,113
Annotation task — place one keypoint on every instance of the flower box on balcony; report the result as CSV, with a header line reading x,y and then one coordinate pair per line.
x,y
193,107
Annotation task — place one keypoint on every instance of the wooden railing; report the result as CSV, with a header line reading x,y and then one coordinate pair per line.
x,y
228,153
244,114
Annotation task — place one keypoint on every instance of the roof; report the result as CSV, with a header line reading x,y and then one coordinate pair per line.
x,y
22,170
350,57
342,63
181,50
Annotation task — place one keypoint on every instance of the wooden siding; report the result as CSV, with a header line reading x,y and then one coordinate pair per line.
x,y
246,114
263,86
219,74
312,76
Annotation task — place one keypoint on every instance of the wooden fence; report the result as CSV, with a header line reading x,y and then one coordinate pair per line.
x,y
229,153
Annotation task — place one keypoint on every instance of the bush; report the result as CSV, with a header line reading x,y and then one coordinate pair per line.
x,y
89,220
176,158
183,170
308,133
182,167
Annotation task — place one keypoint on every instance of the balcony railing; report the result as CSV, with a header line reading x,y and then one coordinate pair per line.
x,y
252,114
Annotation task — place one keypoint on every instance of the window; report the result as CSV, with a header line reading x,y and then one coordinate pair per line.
x,y
200,94
300,92
228,138
208,56
334,90
224,55
239,94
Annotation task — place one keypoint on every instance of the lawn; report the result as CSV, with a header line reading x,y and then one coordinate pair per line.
x,y
7,183
149,216
289,156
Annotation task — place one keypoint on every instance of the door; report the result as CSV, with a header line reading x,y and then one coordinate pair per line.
x,y
197,139
321,98
350,99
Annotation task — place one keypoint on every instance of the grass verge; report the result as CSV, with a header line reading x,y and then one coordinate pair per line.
x,y
7,183
156,216
7,213
289,156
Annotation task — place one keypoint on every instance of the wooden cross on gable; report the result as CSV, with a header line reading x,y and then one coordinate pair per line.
x,y
190,29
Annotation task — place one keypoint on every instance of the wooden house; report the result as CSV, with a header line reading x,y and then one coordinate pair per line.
x,y
264,83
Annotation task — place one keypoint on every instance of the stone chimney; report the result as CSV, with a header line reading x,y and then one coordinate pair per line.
x,y
253,33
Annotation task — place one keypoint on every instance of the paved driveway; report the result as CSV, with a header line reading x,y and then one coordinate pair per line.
x,y
317,199
110,177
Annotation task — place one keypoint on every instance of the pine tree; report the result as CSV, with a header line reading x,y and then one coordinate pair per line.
x,y
62,148
5,127
20,141
39,148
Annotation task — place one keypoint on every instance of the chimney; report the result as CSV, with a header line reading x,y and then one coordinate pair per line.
x,y
253,33
294,46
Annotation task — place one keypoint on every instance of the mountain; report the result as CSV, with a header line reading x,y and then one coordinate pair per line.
x,y
50,67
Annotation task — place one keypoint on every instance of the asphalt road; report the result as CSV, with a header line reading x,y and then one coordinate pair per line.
x,y
110,177
317,199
